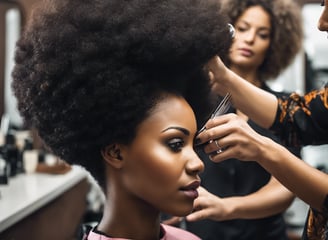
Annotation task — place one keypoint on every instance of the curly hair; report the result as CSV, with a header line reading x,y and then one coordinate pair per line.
x,y
88,72
286,35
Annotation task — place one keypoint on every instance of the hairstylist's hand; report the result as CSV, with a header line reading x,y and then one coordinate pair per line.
x,y
173,221
232,134
209,206
218,73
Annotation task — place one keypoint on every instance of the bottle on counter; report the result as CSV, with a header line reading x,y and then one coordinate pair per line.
x,y
4,171
11,153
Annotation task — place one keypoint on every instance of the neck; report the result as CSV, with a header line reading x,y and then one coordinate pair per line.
x,y
129,217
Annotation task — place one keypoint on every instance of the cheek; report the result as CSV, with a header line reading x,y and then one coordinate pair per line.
x,y
155,167
261,52
263,48
234,44
233,51
159,165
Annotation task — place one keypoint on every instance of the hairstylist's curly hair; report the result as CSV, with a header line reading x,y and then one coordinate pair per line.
x,y
89,71
287,31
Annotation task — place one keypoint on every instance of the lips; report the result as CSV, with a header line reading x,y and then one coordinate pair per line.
x,y
246,52
191,189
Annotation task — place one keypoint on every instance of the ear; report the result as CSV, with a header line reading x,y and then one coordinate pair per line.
x,y
112,155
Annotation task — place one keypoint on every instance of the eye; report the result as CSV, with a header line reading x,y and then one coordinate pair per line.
x,y
264,35
241,28
175,144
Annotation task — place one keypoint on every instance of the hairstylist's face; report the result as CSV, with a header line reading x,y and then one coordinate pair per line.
x,y
323,20
252,38
162,167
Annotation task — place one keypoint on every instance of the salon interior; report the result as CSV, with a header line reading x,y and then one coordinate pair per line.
x,y
41,191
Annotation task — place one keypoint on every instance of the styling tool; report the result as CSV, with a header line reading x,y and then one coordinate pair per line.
x,y
221,109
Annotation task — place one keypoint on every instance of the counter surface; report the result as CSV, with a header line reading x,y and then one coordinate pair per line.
x,y
26,193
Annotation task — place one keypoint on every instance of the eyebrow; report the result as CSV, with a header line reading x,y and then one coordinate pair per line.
x,y
183,130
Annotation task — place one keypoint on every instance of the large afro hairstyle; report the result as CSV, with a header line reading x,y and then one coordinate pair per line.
x,y
88,72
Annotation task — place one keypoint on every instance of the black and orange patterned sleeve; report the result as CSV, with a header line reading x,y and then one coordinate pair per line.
x,y
303,120
316,225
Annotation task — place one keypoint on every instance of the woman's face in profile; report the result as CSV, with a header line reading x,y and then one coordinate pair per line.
x,y
161,166
252,38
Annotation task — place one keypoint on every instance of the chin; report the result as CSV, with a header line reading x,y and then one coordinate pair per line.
x,y
183,211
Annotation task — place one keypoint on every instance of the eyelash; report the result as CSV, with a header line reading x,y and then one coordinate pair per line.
x,y
264,36
243,29
175,144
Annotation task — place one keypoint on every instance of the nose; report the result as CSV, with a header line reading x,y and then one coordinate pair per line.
x,y
323,20
194,165
323,25
249,36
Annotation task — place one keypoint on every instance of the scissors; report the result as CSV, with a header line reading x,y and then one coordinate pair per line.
x,y
221,109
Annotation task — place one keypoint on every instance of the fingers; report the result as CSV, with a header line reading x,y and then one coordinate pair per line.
x,y
229,136
213,65
209,141
200,210
208,206
223,155
197,216
211,77
173,221
213,147
216,129
218,148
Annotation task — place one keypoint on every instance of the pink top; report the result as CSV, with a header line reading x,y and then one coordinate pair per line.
x,y
169,233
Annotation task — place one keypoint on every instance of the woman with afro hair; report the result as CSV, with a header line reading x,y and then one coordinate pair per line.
x,y
241,200
116,86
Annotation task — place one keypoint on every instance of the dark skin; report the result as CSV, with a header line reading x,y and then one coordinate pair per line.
x,y
151,174
247,53
306,182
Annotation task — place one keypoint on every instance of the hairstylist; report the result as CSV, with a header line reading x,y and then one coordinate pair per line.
x,y
303,118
